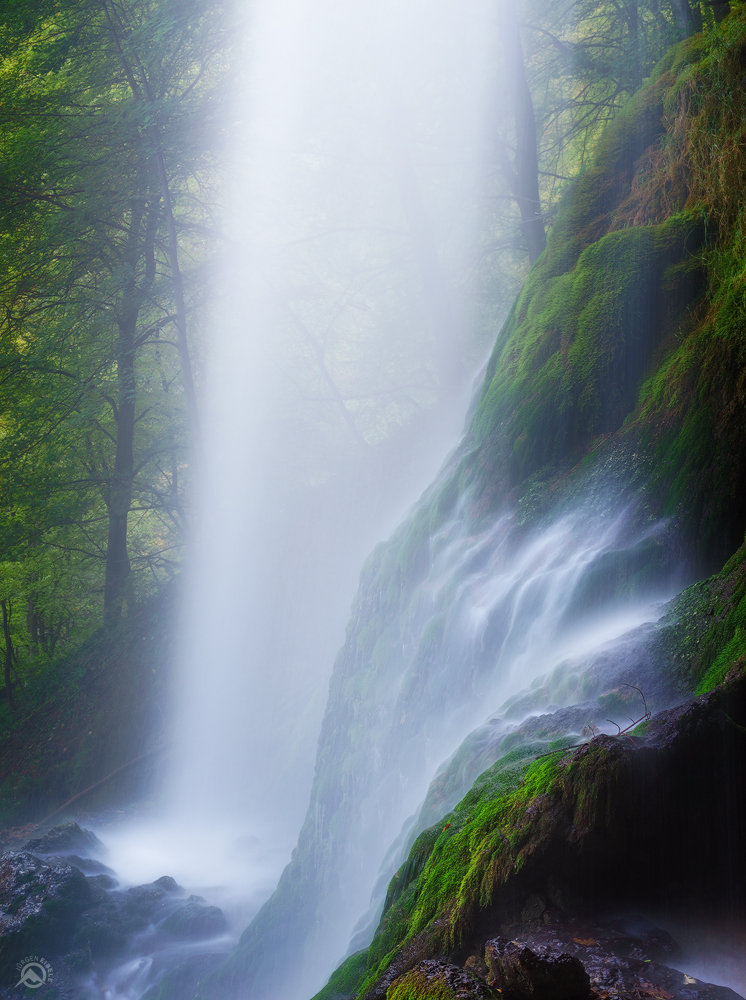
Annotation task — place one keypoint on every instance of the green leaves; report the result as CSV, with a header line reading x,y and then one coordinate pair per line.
x,y
92,422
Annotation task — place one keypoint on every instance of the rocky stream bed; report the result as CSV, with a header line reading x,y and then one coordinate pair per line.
x,y
68,930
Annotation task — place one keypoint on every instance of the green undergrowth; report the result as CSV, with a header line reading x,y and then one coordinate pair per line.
x,y
93,710
724,643
433,984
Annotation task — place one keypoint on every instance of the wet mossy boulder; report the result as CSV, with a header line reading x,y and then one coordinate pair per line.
x,y
589,828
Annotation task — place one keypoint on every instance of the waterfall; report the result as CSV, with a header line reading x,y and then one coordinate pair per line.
x,y
507,624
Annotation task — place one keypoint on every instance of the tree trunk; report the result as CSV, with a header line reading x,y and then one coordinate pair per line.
x,y
720,9
141,91
8,661
524,176
689,21
632,18
120,486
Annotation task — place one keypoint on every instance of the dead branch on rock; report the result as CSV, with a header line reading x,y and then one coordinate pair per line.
x,y
647,714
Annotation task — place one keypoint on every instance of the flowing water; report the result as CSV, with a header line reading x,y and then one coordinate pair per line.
x,y
524,627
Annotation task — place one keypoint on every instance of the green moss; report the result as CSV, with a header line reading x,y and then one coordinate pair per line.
x,y
571,366
431,982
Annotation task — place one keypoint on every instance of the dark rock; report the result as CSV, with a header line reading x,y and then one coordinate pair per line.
x,y
68,838
648,941
477,965
615,955
518,971
195,920
441,981
143,904
89,866
39,907
102,881
168,884
114,916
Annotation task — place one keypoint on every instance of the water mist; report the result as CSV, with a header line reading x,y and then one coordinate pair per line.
x,y
338,363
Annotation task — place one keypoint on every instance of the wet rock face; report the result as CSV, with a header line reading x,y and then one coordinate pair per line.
x,y
68,838
519,972
440,981
83,923
624,958
39,906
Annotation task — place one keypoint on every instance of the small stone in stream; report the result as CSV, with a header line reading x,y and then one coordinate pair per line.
x,y
195,921
519,972
67,838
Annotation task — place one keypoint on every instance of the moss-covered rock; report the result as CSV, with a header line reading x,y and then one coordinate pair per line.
x,y
593,825
433,980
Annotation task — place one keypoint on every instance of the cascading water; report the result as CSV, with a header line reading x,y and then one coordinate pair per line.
x,y
507,623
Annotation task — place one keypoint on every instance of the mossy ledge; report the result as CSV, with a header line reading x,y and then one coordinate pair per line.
x,y
588,830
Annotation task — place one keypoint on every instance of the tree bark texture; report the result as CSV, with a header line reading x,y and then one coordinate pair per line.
x,y
524,171
8,659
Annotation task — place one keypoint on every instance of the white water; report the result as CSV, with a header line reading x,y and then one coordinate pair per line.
x,y
353,124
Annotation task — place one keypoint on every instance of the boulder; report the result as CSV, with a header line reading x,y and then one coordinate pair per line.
x,y
39,907
67,838
519,972
195,920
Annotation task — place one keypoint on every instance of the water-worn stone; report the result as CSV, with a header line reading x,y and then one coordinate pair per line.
x,y
67,838
39,907
519,972
105,927
195,920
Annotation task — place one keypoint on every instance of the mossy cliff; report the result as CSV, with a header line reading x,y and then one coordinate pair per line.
x,y
618,381
607,825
